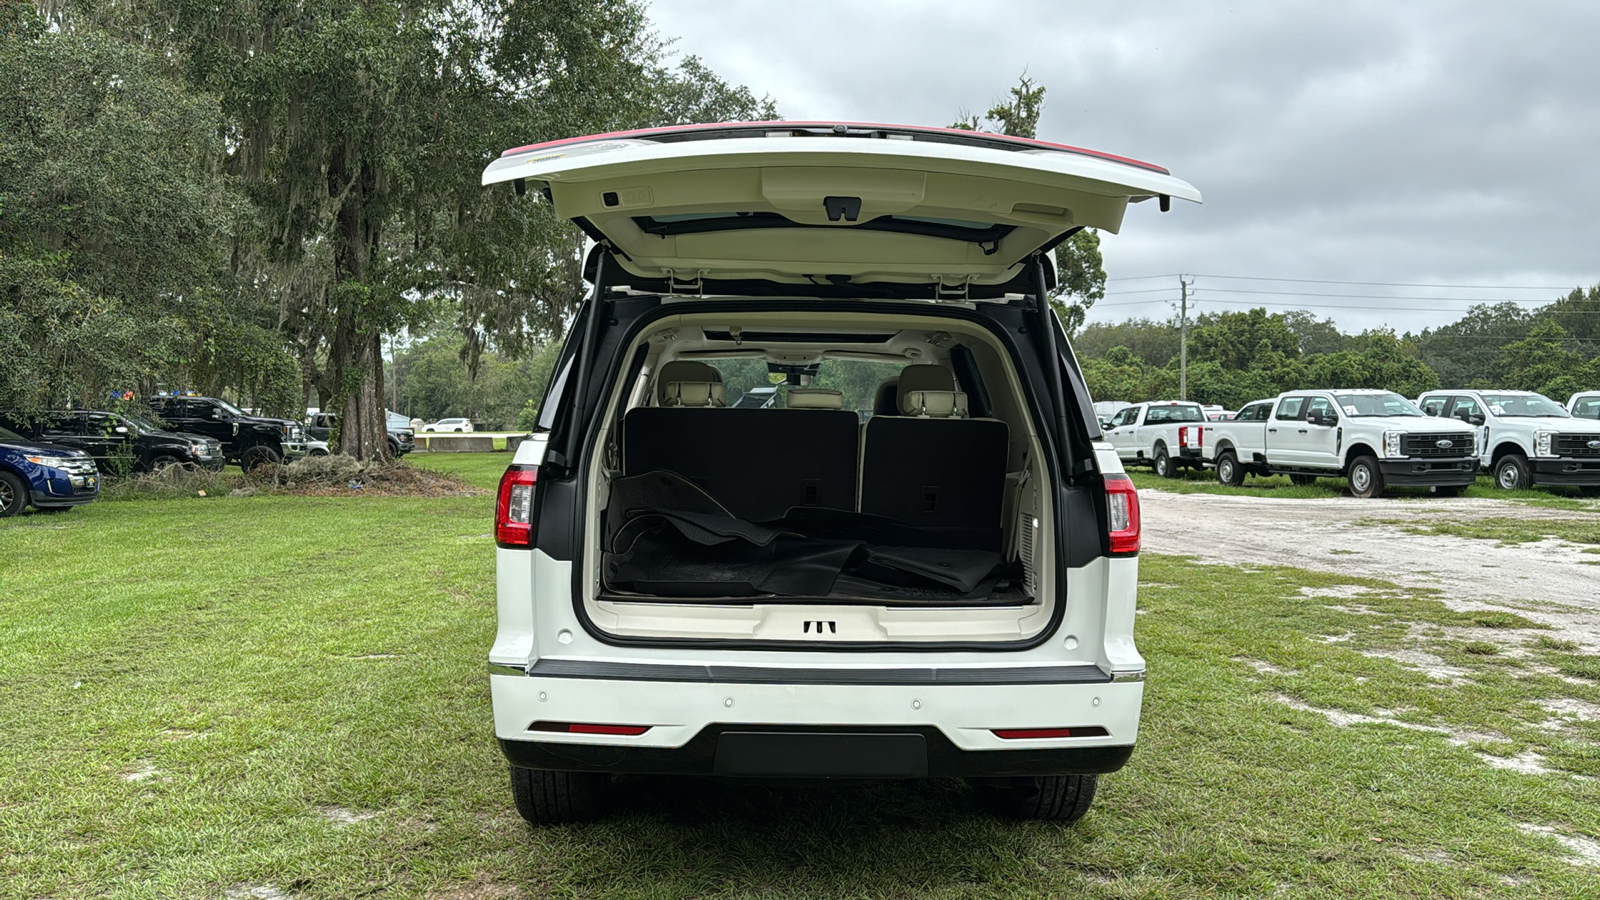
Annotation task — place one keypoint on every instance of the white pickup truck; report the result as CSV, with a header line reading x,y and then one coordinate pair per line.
x,y
1524,438
1164,435
1376,439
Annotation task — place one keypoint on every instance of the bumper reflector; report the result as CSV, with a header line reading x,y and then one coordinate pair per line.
x,y
1022,734
589,728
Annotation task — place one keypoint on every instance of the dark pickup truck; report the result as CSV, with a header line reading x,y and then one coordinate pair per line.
x,y
122,441
250,441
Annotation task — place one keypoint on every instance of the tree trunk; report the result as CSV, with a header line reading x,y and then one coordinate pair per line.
x,y
355,355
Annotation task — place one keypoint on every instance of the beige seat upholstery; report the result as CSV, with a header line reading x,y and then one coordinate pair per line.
x,y
815,398
681,371
694,393
934,404
930,392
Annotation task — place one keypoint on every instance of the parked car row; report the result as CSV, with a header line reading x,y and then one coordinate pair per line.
x,y
1375,439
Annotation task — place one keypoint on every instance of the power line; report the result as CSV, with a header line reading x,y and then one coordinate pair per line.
x,y
1472,287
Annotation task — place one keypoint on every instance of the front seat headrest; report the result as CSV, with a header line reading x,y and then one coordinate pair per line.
x,y
680,370
814,398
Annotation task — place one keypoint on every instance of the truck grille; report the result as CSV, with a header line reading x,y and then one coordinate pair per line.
x,y
1577,445
1426,446
78,466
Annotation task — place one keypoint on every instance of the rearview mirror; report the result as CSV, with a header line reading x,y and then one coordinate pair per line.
x,y
1322,417
1475,418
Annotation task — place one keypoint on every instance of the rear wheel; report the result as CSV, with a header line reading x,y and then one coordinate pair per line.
x,y
13,495
1511,473
256,457
164,462
1302,480
1366,479
1163,464
556,798
1229,472
1057,798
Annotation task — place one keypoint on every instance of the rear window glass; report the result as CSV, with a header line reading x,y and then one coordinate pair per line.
x,y
1174,414
751,385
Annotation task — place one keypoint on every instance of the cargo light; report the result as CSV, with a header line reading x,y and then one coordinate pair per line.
x,y
589,728
1024,734
1122,503
513,513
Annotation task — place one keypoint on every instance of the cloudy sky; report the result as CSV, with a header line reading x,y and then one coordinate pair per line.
x,y
1343,149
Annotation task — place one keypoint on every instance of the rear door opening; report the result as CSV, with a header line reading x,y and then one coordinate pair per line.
x,y
874,474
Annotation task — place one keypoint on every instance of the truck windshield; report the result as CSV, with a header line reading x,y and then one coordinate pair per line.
x,y
142,423
1366,405
1520,406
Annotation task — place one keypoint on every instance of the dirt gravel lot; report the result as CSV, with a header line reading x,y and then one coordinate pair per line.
x,y
1551,581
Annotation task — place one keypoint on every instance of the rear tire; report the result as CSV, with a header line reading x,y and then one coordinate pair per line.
x,y
1163,464
1511,473
1302,480
544,797
13,495
1366,479
1055,798
258,456
163,462
1229,472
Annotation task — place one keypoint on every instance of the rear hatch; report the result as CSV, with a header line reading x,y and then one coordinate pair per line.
x,y
831,204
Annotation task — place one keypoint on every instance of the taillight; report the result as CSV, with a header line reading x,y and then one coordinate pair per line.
x,y
1185,433
513,513
1122,501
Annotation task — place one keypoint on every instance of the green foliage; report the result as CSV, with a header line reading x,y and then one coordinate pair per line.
x,y
435,382
1080,276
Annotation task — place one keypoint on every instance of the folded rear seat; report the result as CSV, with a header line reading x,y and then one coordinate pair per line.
x,y
931,466
758,463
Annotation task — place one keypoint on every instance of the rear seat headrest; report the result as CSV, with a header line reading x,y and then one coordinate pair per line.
x,y
694,393
930,390
685,370
934,404
815,398
926,378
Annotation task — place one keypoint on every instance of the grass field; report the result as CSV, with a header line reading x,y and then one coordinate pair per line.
x,y
285,696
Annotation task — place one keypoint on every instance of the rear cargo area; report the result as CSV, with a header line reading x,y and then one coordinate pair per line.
x,y
854,481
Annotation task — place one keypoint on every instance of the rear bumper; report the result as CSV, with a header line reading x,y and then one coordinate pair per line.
x,y
763,751
771,728
1566,471
1429,472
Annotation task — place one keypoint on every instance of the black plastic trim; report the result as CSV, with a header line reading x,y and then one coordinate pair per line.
x,y
1399,472
699,755
604,670
993,233
1563,471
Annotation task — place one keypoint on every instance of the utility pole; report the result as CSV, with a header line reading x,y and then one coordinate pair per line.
x,y
1183,338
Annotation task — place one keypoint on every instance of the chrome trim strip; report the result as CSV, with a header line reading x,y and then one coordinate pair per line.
x,y
506,669
1120,677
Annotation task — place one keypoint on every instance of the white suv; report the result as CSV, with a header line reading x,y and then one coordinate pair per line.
x,y
916,557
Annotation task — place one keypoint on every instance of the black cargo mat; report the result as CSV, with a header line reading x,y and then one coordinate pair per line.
x,y
667,539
